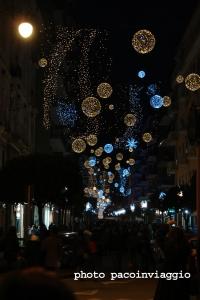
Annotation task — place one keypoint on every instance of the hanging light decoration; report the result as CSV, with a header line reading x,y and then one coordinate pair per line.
x,y
143,41
167,101
131,161
42,62
119,156
130,120
98,152
108,148
147,137
111,107
91,107
156,101
78,145
179,79
104,90
192,82
91,139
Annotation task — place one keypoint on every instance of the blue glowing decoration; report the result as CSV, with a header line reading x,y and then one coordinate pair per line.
x,y
152,89
66,114
108,148
156,101
162,195
121,189
88,206
110,173
125,173
100,193
141,74
132,143
116,184
92,161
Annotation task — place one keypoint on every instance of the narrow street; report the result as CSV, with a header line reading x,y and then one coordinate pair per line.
x,y
142,289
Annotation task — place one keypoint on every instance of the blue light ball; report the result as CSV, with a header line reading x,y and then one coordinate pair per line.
x,y
156,101
141,74
108,148
92,161
116,184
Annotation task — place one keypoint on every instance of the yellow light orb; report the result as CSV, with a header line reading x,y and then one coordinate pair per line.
x,y
131,161
91,139
179,79
111,107
130,120
25,29
192,82
108,159
86,164
91,107
78,145
119,156
92,151
106,167
104,90
167,101
117,167
98,152
130,149
143,41
147,137
42,62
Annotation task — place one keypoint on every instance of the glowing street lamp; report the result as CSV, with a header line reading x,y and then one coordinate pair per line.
x,y
25,29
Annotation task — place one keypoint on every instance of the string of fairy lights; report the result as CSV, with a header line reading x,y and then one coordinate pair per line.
x,y
106,166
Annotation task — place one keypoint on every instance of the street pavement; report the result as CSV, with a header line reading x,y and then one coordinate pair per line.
x,y
136,289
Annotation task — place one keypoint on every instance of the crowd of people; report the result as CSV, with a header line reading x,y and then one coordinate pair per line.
x,y
105,246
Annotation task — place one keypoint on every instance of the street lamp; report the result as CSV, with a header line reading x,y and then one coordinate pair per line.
x,y
25,29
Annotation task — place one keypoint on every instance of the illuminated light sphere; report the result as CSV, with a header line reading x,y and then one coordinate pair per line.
x,y
121,189
105,162
98,152
179,79
25,29
117,140
101,149
86,164
42,62
91,171
141,74
167,101
130,149
92,151
116,184
91,139
156,101
192,82
108,148
125,173
91,107
78,145
130,119
117,167
108,159
111,107
107,190
143,41
147,137
131,161
119,156
104,90
92,161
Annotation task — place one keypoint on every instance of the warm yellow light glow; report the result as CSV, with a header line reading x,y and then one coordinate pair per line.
x,y
25,30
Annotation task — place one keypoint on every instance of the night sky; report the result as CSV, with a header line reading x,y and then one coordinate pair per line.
x,y
168,21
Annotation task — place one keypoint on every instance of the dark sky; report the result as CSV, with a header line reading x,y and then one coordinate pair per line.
x,y
167,20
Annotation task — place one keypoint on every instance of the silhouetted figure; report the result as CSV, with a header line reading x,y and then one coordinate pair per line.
x,y
33,284
176,251
11,247
51,249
